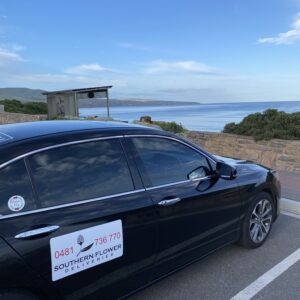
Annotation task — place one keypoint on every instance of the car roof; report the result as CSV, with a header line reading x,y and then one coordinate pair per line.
x,y
11,133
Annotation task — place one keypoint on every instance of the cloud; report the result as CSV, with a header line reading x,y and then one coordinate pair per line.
x,y
49,78
133,46
214,94
9,56
285,38
85,68
17,47
186,66
12,47
50,81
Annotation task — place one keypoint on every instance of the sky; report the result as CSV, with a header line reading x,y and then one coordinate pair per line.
x,y
189,50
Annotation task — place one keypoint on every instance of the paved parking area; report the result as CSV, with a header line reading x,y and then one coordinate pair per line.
x,y
290,185
229,271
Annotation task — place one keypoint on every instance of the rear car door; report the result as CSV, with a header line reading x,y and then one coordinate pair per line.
x,y
81,220
197,211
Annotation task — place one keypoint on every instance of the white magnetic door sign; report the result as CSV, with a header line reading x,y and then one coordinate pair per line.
x,y
80,250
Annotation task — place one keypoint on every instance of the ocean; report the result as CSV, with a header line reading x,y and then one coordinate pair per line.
x,y
203,117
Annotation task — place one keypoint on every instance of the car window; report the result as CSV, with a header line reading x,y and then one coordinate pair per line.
x,y
16,194
80,172
167,161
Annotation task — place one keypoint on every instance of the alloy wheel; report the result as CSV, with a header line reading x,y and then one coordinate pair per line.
x,y
260,221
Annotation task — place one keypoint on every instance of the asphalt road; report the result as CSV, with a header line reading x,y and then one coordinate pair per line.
x,y
227,272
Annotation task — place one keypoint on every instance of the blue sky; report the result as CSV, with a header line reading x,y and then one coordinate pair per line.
x,y
207,51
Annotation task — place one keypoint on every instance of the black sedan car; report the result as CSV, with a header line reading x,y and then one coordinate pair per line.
x,y
93,210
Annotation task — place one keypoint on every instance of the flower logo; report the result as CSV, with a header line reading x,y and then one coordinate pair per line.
x,y
80,241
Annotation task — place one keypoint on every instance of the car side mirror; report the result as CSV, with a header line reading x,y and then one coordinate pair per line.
x,y
198,173
225,171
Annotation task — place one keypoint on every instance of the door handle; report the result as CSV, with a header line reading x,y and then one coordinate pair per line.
x,y
169,202
37,232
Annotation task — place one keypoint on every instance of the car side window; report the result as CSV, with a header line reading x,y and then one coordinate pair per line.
x,y
80,172
15,189
167,161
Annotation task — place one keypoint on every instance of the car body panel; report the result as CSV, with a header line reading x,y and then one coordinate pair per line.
x,y
157,239
194,225
254,178
138,218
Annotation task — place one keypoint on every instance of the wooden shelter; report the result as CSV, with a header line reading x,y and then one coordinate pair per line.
x,y
65,102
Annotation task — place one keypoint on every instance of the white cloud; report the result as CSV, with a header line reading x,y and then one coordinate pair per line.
x,y
134,46
9,56
54,81
49,78
17,47
85,68
189,66
12,47
285,38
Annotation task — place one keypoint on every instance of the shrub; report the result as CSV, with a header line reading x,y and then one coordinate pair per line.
x,y
268,125
16,106
170,126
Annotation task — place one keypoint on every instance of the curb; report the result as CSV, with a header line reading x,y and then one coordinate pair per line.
x,y
290,206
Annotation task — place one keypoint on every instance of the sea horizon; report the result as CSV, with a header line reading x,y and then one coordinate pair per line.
x,y
203,116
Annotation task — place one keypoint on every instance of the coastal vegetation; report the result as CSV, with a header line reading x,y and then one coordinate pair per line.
x,y
170,126
270,124
16,106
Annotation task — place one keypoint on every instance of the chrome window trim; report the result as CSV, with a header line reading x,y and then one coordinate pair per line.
x,y
58,146
54,147
168,184
202,178
171,138
178,182
2,217
182,142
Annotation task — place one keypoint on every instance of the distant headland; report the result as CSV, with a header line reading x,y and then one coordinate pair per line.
x,y
34,95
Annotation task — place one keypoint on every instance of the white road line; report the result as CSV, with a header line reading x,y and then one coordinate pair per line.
x,y
290,214
291,206
261,282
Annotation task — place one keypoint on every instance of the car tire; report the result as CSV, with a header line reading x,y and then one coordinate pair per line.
x,y
17,294
258,221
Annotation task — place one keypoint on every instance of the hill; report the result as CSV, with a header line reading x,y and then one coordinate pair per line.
x,y
34,95
22,94
131,102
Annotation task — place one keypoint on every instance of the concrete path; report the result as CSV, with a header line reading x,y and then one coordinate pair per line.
x,y
290,188
290,185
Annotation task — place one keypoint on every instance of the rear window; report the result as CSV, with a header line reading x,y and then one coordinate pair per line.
x,y
16,194
80,172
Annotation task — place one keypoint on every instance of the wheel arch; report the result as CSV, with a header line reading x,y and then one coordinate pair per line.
x,y
272,194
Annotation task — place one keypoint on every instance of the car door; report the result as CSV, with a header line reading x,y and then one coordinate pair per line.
x,y
197,211
87,226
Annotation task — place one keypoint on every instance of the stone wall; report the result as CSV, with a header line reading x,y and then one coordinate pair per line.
x,y
8,118
283,155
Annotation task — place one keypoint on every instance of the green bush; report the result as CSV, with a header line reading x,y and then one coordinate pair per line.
x,y
16,106
170,126
268,125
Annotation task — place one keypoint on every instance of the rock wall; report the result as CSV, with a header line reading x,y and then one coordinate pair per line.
x,y
8,118
281,155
